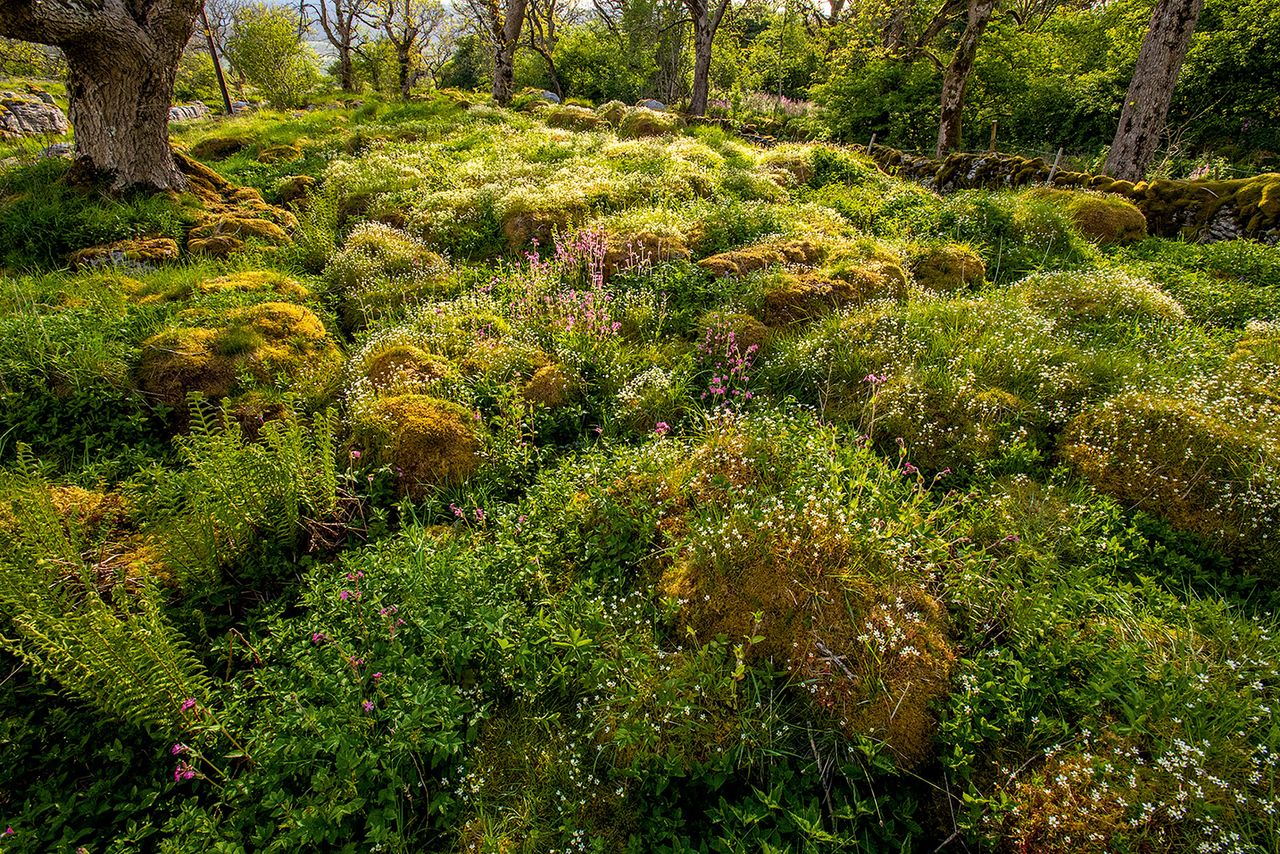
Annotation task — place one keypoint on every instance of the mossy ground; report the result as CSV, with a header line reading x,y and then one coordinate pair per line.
x,y
569,478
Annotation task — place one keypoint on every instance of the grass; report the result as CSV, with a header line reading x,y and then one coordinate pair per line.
x,y
551,490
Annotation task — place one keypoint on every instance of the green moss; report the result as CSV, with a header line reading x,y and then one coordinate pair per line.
x,y
265,342
430,442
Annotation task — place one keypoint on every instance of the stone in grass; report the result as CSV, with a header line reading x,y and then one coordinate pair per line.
x,y
135,252
33,114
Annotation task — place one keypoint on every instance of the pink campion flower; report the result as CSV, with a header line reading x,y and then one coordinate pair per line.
x,y
178,749
183,773
9,831
377,676
367,705
188,704
318,638
344,595
355,455
875,379
907,468
662,428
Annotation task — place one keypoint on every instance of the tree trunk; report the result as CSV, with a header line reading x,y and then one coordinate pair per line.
x,y
346,69
506,35
956,80
702,40
1146,105
119,107
706,20
404,64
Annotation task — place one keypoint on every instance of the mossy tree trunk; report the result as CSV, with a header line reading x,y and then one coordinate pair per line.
x,y
122,58
1146,105
706,20
956,80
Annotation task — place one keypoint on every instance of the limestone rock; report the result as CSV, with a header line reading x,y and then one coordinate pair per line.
x,y
188,112
30,115
134,252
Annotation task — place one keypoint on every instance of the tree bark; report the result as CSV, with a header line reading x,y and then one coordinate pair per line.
x,y
956,79
1146,105
706,20
404,65
506,36
122,58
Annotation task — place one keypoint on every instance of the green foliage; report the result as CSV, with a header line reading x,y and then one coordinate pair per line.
x,y
765,502
264,46
44,216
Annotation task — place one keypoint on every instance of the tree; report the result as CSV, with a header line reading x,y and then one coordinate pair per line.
x,y
122,57
501,26
706,15
956,79
1146,105
409,26
340,22
264,47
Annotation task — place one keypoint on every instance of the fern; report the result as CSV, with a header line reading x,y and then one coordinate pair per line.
x,y
124,658
236,493
119,654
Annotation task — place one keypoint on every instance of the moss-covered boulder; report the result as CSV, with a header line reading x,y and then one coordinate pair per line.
x,y
1103,219
570,117
1166,456
1098,297
642,121
278,153
748,259
429,442
400,367
246,281
133,252
268,342
947,268
612,112
220,147
551,386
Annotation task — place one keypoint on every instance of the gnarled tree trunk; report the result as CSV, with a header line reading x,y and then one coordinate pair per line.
x,y
506,36
706,20
119,107
122,57
956,79
1146,106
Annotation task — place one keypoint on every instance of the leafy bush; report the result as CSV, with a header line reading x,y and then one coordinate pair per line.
x,y
264,46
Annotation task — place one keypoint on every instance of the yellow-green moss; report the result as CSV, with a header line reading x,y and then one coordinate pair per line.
x,y
796,298
739,262
947,268
219,147
1097,297
551,386
266,341
642,121
612,112
1102,218
401,367
279,153
135,250
1167,457
428,441
569,117
747,331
